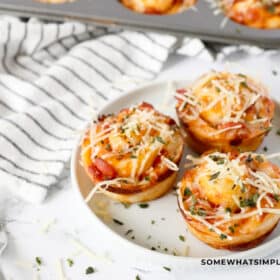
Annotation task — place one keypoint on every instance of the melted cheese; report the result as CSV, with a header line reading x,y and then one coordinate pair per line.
x,y
221,97
135,139
224,189
199,218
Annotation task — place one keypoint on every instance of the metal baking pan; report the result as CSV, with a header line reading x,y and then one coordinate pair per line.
x,y
199,22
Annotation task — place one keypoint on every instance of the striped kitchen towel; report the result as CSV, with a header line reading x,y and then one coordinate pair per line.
x,y
53,78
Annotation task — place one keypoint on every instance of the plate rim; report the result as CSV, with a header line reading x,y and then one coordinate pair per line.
x,y
263,250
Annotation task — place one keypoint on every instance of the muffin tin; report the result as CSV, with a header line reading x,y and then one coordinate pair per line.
x,y
198,21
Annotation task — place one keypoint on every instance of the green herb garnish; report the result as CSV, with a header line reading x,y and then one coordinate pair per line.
x,y
187,192
192,210
137,277
167,268
259,158
201,212
129,231
143,205
244,84
118,222
220,161
217,159
249,158
278,132
182,238
90,270
70,262
250,202
214,176
194,201
159,139
38,260
271,9
228,210
126,205
243,188
231,228
223,236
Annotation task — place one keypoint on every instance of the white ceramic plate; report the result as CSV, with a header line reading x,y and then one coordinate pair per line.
x,y
160,225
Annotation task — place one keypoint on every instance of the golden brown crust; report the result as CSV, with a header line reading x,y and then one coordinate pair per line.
x,y
249,144
253,13
244,242
117,158
154,192
227,212
207,130
158,7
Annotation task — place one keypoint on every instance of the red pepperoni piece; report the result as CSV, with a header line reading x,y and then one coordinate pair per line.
x,y
146,105
95,173
181,91
171,121
105,168
124,111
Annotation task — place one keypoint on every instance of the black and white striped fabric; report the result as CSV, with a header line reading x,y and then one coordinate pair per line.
x,y
53,78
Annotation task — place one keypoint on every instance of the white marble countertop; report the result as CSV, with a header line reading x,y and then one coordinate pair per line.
x,y
47,230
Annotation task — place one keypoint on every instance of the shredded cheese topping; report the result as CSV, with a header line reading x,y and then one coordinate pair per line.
x,y
134,142
222,98
105,184
60,270
254,184
88,252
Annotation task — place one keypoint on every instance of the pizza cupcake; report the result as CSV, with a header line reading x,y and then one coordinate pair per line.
x,y
264,14
230,201
132,156
225,112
